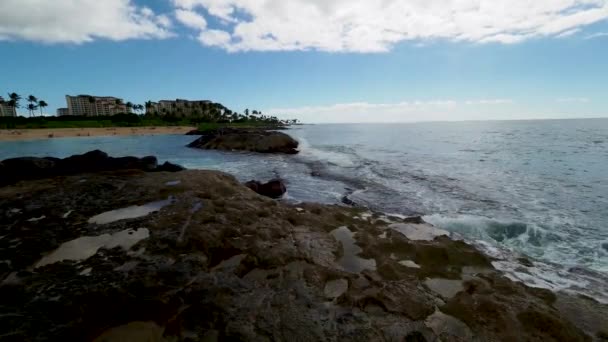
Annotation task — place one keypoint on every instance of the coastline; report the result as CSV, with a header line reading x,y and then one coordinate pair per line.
x,y
208,233
50,133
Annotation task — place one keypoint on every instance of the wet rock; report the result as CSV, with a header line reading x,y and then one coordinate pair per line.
x,y
170,167
219,262
448,327
414,219
261,141
335,288
446,288
27,168
348,201
273,189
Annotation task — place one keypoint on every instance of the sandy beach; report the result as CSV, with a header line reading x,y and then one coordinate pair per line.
x,y
51,133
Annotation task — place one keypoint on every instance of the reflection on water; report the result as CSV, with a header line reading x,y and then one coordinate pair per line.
x,y
85,247
131,212
349,260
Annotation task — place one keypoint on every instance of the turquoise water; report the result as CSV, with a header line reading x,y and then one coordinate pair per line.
x,y
534,187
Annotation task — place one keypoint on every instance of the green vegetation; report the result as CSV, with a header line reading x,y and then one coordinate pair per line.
x,y
120,120
211,126
33,103
203,114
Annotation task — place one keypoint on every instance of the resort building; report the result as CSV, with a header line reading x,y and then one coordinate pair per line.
x,y
87,105
62,111
178,107
6,110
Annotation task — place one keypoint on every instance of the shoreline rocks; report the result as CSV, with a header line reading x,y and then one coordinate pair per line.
x,y
273,189
258,140
221,262
27,168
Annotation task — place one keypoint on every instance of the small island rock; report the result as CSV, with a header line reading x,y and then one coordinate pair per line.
x,y
261,141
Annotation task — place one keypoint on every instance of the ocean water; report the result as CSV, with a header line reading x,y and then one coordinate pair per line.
x,y
513,188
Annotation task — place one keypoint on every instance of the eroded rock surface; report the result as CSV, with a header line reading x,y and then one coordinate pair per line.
x,y
220,262
261,141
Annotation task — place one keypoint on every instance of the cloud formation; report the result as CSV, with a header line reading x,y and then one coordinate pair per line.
x,y
597,35
407,111
70,21
376,26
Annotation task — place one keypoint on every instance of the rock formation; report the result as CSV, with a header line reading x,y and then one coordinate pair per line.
x,y
195,255
25,168
273,189
261,141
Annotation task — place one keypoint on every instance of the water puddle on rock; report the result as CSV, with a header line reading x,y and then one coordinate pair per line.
x,y
85,247
131,212
349,260
418,232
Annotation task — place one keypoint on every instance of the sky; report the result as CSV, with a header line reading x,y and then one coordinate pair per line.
x,y
317,60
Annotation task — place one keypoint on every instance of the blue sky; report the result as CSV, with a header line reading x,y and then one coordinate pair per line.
x,y
319,61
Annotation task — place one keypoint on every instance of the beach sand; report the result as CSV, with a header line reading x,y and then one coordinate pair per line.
x,y
44,133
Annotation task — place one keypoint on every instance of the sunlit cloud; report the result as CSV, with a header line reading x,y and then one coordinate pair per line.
x,y
377,26
69,21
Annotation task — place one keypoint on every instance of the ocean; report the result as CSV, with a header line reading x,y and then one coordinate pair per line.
x,y
513,188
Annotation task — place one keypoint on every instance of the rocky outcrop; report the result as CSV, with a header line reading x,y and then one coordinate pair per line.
x,y
262,141
229,129
27,168
195,255
273,189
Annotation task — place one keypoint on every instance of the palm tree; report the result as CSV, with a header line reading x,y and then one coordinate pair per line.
x,y
14,100
129,106
42,104
31,107
140,108
148,106
33,103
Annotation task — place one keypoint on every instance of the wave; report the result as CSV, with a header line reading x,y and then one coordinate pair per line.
x,y
508,241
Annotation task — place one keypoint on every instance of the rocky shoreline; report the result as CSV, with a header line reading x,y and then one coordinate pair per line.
x,y
195,255
259,140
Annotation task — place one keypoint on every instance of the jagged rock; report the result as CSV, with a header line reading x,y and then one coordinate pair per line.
x,y
261,141
219,262
27,168
273,189
170,167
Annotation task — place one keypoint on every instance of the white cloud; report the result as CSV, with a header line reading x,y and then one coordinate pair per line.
x,y
410,111
573,100
597,35
79,21
191,19
376,26
568,33
214,37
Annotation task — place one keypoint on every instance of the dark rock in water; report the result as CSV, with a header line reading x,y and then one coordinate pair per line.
x,y
170,167
222,263
26,168
224,130
348,201
261,141
273,189
526,262
414,219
